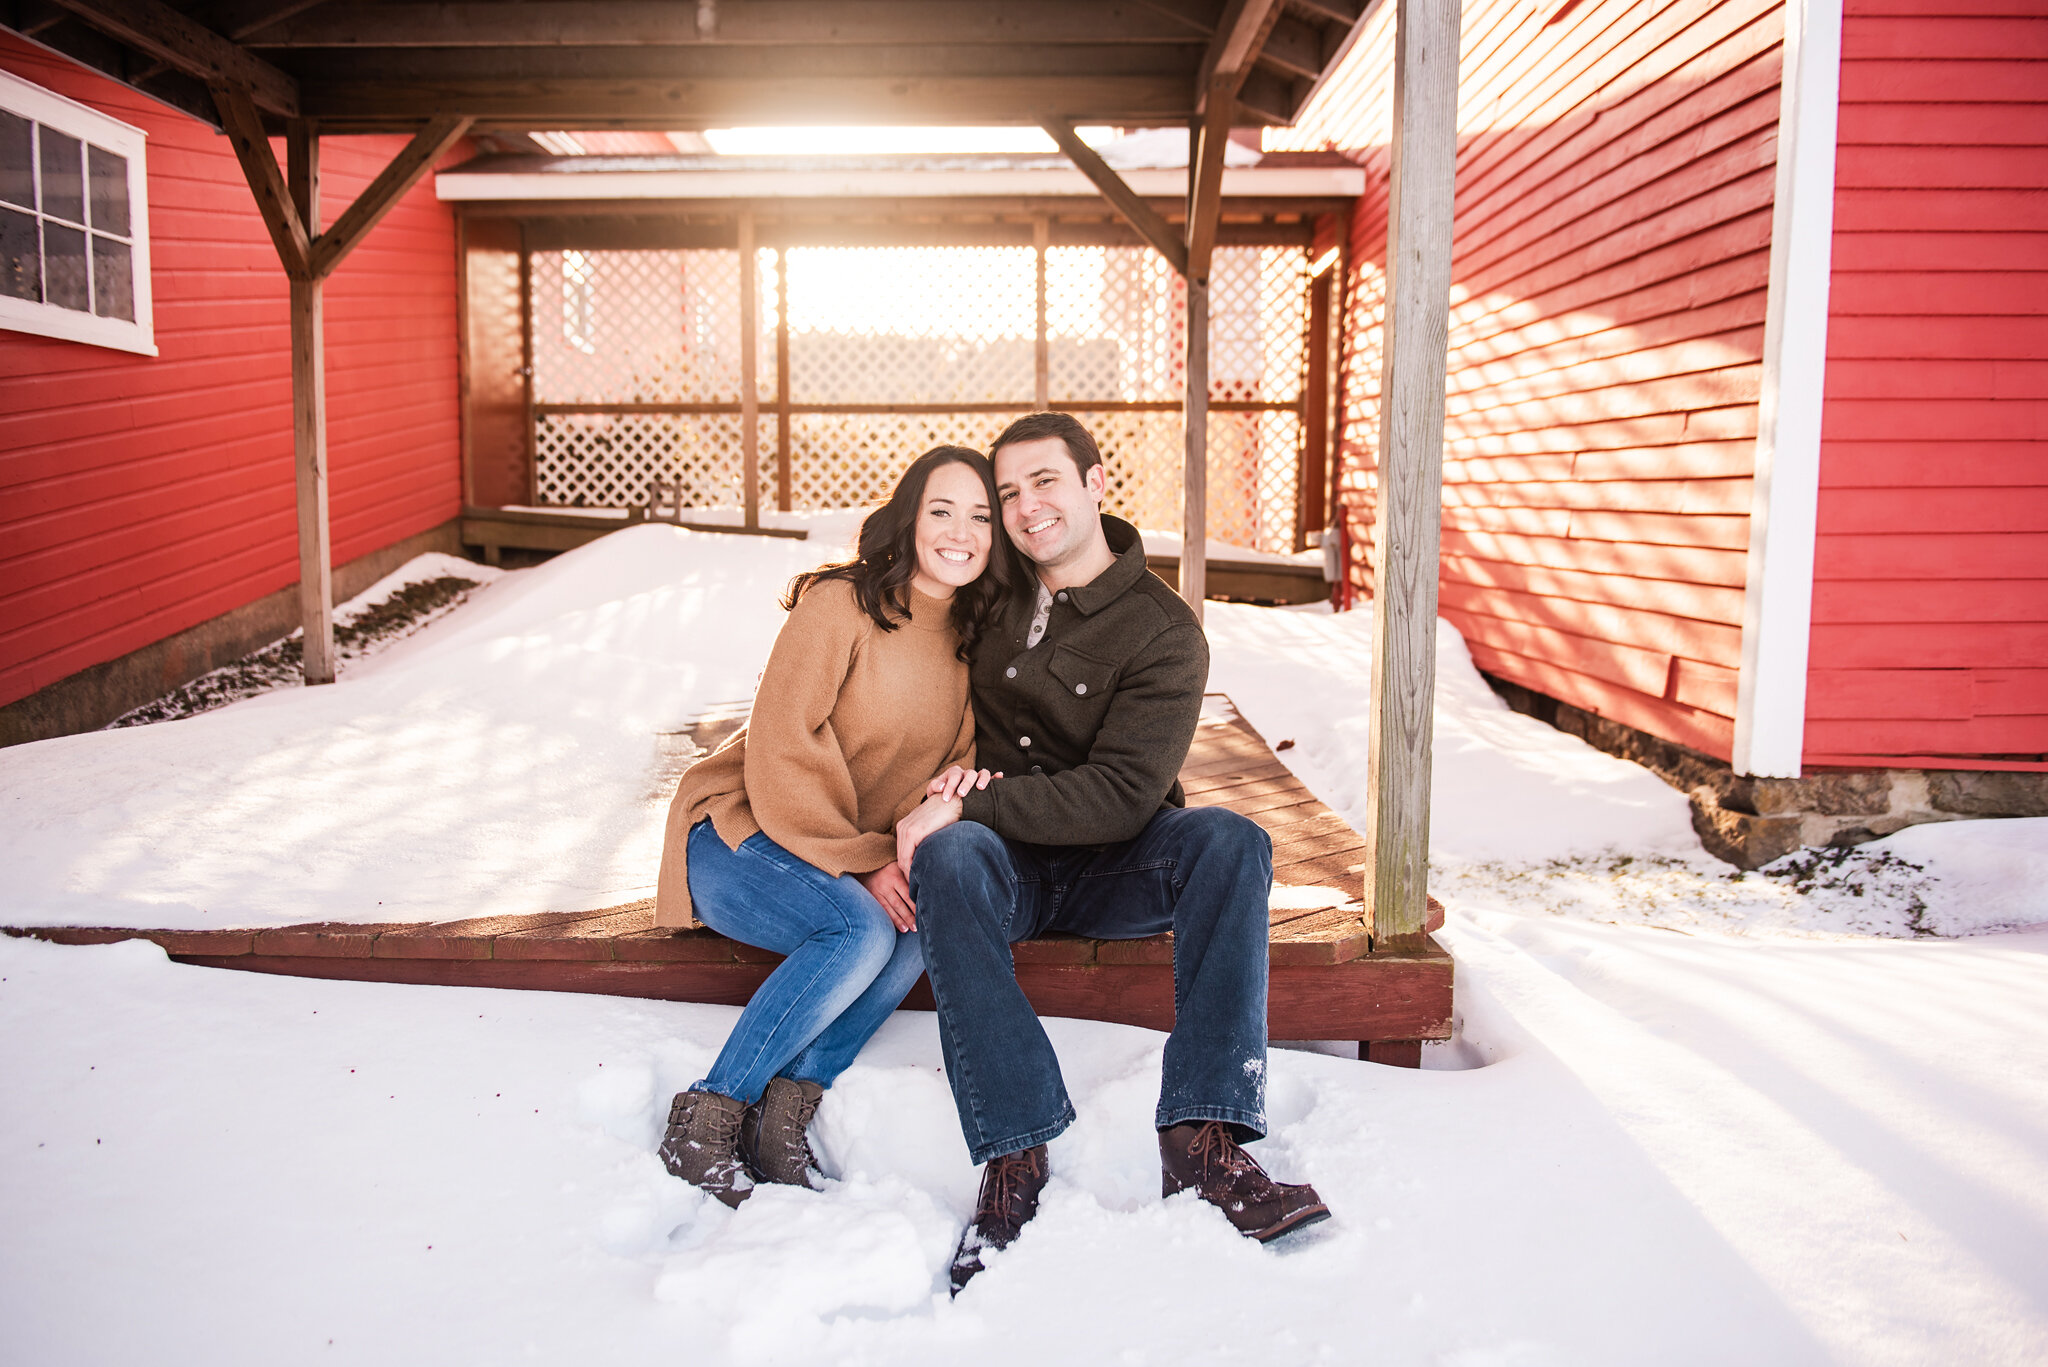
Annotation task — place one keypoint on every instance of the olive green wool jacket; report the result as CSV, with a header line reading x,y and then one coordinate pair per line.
x,y
1091,726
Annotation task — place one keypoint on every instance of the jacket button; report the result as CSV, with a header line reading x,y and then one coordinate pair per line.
x,y
1080,688
1024,741
1010,673
1061,595
1038,768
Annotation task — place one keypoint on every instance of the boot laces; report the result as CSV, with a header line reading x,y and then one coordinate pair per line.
x,y
1004,1188
721,1124
1215,1147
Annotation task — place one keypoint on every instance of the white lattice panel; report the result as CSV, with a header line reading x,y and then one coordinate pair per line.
x,y
912,325
609,460
1114,325
849,460
915,326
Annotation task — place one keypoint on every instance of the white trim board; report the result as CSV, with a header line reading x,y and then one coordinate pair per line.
x,y
1273,181
1777,605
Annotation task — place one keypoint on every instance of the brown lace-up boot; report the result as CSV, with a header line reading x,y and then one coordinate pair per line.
x,y
1010,1186
1205,1155
775,1133
702,1145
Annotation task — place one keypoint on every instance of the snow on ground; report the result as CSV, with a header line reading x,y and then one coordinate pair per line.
x,y
1780,1135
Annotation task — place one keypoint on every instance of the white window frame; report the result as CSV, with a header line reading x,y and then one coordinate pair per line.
x,y
69,117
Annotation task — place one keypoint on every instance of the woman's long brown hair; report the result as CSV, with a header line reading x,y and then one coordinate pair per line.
x,y
886,555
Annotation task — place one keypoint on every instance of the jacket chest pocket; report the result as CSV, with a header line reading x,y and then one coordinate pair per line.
x,y
1082,677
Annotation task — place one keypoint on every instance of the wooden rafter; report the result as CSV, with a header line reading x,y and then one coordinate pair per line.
x,y
1141,216
163,33
1234,49
773,23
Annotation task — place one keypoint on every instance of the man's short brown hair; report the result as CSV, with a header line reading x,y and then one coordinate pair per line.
x,y
1037,426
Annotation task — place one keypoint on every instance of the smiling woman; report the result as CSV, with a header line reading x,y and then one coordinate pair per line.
x,y
785,838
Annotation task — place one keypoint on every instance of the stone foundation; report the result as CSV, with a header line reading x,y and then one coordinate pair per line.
x,y
1749,822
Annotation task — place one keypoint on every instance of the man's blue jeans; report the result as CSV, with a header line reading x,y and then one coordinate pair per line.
x,y
847,966
1203,873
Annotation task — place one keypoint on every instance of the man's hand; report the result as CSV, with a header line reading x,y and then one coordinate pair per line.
x,y
957,782
890,886
933,814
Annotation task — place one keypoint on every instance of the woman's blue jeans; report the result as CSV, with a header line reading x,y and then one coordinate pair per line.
x,y
847,966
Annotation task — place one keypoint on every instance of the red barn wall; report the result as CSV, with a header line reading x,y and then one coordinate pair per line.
x,y
140,496
1930,602
1615,165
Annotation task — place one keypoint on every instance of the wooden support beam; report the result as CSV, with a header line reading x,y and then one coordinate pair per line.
x,y
750,399
376,200
244,128
784,493
183,45
309,419
1207,143
1309,512
1239,37
1194,507
1410,508
1143,218
1041,347
771,23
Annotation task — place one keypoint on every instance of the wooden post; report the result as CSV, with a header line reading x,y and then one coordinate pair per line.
x,y
750,399
1041,238
526,353
1208,136
1425,146
783,492
309,416
1309,513
1194,515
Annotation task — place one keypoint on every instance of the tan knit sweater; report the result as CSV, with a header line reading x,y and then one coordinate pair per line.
x,y
849,724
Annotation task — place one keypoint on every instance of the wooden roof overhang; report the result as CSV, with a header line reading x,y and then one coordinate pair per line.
x,y
361,66
439,69
694,201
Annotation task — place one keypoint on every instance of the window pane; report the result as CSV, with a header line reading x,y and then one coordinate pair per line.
x,y
64,267
21,259
63,180
17,174
109,190
113,279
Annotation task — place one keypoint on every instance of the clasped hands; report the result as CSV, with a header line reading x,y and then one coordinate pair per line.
x,y
890,884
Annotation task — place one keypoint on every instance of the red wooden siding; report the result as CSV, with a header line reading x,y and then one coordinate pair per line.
x,y
143,495
1930,600
1611,260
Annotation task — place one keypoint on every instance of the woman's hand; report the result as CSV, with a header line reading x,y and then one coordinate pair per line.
x,y
956,782
933,814
890,886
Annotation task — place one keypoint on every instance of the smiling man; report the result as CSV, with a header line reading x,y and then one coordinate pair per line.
x,y
1086,696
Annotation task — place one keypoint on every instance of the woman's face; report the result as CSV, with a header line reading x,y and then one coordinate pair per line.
x,y
953,531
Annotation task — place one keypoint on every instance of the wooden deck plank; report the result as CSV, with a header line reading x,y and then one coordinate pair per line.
x,y
1326,983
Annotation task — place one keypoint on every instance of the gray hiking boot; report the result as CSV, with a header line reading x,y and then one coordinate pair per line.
x,y
775,1133
702,1145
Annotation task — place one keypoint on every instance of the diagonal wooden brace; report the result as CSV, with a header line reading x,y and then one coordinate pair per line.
x,y
244,127
378,198
1140,215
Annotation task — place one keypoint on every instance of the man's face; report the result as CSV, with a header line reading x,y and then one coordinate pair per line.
x,y
1051,513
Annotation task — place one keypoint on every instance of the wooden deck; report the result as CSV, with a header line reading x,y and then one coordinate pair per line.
x,y
1326,983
